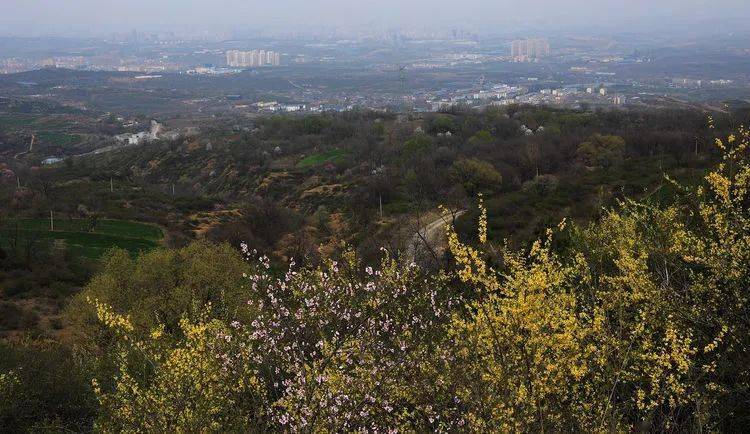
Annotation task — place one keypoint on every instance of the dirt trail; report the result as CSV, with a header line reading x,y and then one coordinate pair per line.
x,y
430,237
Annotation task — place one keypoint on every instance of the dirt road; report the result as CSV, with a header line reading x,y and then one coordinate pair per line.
x,y
430,238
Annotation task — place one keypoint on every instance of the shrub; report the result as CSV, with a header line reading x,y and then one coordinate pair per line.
x,y
43,389
475,175
542,185
602,151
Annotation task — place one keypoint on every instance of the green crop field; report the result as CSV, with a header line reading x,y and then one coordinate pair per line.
x,y
15,121
332,156
81,240
58,139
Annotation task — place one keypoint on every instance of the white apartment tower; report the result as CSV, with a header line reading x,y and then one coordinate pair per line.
x,y
529,49
252,59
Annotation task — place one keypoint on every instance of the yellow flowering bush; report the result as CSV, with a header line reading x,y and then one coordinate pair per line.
x,y
8,386
630,328
201,378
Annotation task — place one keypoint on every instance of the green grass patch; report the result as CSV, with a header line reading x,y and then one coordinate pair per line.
x,y
15,121
333,156
59,139
80,240
118,228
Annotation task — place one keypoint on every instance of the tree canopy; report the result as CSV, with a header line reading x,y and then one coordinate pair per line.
x,y
602,150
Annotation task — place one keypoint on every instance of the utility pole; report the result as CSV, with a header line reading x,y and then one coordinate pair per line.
x,y
51,222
111,185
173,189
696,145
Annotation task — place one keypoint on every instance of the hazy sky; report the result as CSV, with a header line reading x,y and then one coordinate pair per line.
x,y
29,17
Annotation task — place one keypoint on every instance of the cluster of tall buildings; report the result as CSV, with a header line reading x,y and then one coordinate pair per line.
x,y
529,49
252,59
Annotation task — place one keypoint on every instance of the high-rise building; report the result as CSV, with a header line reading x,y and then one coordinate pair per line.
x,y
518,49
232,57
252,59
529,49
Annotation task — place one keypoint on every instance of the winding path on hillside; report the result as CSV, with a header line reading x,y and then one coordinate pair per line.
x,y
430,237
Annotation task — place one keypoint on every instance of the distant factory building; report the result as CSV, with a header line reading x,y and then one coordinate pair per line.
x,y
156,132
51,160
687,82
138,138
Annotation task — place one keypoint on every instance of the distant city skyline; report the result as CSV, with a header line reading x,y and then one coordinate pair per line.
x,y
101,17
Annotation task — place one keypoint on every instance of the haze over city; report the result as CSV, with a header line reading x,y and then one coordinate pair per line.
x,y
91,17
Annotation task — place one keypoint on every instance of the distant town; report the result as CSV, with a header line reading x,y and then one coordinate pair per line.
x,y
400,71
